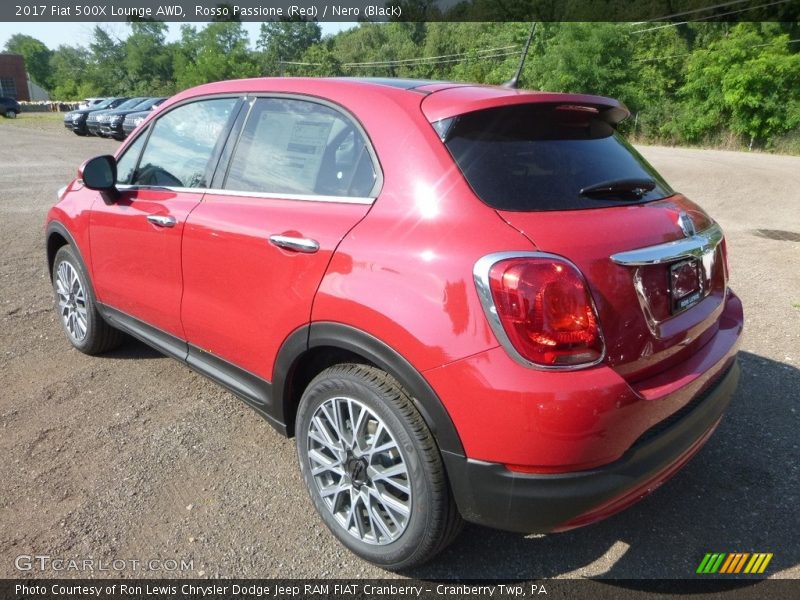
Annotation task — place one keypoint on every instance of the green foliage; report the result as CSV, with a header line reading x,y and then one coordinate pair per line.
x,y
148,59
219,51
736,84
286,41
68,71
594,58
747,82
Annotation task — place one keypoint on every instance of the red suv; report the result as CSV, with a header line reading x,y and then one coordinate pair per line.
x,y
463,301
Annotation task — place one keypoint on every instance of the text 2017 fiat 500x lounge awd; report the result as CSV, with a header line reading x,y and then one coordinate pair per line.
x,y
465,302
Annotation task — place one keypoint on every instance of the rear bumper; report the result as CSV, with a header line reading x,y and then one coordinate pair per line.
x,y
490,494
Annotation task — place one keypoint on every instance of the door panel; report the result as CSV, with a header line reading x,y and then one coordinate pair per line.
x,y
137,263
244,295
136,239
299,177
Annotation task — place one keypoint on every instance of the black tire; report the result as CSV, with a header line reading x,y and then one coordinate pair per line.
x,y
86,330
11,114
433,521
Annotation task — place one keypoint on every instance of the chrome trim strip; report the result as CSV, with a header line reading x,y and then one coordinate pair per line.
x,y
293,197
695,246
480,274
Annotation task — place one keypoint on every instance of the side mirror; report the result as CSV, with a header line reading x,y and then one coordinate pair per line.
x,y
100,173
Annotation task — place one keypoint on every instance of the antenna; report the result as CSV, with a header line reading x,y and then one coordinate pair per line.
x,y
513,83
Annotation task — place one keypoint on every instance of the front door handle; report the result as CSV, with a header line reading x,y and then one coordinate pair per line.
x,y
299,244
161,220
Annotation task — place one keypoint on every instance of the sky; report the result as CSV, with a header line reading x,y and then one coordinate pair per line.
x,y
80,34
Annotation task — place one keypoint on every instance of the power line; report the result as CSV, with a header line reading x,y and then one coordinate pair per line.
x,y
718,50
400,62
438,62
487,53
689,12
733,12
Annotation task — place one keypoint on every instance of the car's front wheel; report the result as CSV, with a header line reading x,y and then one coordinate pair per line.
x,y
11,114
372,467
75,304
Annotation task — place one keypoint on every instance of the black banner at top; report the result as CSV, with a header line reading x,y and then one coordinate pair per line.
x,y
398,10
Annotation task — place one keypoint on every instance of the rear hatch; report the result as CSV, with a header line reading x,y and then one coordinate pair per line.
x,y
555,168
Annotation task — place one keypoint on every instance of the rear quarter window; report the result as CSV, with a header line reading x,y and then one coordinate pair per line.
x,y
540,157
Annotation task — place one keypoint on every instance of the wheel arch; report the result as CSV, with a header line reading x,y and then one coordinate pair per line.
x,y
57,236
314,347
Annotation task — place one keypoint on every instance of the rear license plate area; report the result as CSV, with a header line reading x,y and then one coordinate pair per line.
x,y
685,284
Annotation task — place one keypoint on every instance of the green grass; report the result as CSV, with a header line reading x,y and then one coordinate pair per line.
x,y
34,119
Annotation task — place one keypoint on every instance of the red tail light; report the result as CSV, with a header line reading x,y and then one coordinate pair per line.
x,y
545,310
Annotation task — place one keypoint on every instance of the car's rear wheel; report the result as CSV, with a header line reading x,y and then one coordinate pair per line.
x,y
76,307
11,114
373,469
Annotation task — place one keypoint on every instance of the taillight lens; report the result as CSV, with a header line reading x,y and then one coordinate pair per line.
x,y
546,311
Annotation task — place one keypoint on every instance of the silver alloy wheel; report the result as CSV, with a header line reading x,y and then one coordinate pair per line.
x,y
71,301
360,471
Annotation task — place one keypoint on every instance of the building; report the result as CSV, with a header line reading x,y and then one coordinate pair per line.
x,y
13,78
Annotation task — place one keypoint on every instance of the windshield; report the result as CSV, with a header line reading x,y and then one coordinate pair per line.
x,y
540,157
149,103
132,103
103,104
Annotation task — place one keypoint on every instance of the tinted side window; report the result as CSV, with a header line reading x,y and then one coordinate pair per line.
x,y
299,147
127,162
180,146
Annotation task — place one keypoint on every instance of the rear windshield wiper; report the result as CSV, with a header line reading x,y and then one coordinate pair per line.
x,y
637,187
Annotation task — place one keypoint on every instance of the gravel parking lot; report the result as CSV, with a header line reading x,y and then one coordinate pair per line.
x,y
132,456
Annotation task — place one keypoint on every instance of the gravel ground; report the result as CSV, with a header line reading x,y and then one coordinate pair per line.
x,y
132,456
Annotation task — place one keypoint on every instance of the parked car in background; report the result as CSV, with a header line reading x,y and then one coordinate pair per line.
x,y
9,107
111,125
463,301
133,120
89,103
97,118
75,120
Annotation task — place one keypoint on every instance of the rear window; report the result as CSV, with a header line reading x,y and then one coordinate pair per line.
x,y
540,157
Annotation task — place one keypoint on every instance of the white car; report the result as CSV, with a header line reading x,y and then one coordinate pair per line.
x,y
89,102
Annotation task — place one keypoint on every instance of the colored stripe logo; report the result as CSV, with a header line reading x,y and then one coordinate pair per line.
x,y
734,562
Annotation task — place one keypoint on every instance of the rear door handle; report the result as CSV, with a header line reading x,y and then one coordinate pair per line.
x,y
162,220
299,244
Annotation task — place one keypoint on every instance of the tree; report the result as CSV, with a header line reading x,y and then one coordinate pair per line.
x,y
322,62
68,67
36,54
747,82
285,41
107,68
148,60
592,58
218,52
